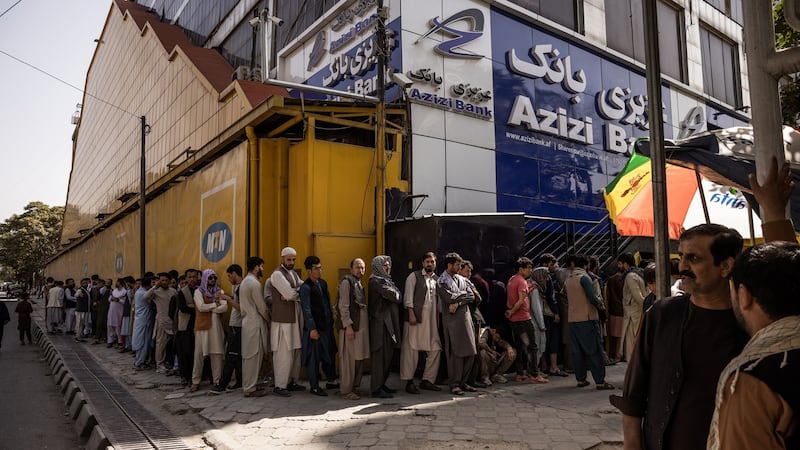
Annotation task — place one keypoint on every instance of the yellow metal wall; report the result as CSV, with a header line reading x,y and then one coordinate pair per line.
x,y
177,222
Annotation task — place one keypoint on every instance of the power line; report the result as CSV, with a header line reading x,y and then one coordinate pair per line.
x,y
67,83
10,8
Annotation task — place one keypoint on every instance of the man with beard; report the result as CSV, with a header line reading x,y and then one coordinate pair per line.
x,y
757,400
209,337
81,309
233,339
184,336
633,294
161,295
384,324
683,345
70,305
459,336
420,331
352,323
318,344
254,327
285,332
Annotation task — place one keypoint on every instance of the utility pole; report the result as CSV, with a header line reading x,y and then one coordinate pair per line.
x,y
142,199
657,157
380,132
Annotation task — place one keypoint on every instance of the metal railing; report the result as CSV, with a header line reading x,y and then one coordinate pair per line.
x,y
563,237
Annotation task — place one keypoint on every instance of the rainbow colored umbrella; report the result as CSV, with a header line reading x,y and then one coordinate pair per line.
x,y
691,200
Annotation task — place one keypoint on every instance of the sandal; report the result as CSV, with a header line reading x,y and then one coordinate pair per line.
x,y
194,388
352,396
456,391
583,383
605,387
559,373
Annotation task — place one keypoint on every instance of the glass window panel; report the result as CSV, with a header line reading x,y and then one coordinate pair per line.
x,y
618,26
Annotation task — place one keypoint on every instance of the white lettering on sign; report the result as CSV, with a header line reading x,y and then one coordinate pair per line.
x,y
215,241
618,104
364,60
554,123
546,64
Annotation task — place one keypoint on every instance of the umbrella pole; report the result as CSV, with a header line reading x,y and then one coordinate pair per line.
x,y
702,195
658,161
751,225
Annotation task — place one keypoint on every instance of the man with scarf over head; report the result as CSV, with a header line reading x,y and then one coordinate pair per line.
x,y
209,336
757,400
384,324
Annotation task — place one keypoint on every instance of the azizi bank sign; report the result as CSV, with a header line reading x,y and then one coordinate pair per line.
x,y
343,54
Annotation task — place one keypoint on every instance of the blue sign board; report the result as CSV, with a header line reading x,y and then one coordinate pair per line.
x,y
217,241
356,70
565,118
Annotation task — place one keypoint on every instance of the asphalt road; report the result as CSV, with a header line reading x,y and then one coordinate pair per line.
x,y
32,411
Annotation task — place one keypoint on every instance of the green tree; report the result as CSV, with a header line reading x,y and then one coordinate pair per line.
x,y
29,239
788,37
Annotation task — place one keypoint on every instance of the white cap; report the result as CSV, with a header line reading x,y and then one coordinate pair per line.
x,y
288,251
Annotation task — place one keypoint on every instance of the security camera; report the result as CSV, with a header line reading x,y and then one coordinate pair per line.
x,y
254,22
276,20
402,80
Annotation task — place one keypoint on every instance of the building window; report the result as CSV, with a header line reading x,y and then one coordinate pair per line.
x,y
564,12
720,67
731,8
625,34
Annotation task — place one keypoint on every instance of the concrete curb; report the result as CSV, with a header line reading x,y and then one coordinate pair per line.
x,y
85,422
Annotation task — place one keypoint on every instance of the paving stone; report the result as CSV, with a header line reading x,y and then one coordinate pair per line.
x,y
174,396
434,436
392,435
219,416
363,442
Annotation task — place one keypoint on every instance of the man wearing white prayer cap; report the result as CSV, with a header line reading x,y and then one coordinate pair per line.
x,y
286,324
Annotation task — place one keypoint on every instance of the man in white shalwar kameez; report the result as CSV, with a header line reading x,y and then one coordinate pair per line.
x,y
254,326
420,331
286,324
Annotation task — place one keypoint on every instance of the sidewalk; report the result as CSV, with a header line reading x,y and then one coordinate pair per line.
x,y
557,415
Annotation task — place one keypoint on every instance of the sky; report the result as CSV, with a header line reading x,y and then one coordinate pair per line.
x,y
35,109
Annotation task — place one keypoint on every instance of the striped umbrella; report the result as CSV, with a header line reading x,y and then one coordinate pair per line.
x,y
691,200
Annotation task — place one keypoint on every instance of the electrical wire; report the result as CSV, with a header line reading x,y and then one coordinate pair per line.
x,y
88,94
10,8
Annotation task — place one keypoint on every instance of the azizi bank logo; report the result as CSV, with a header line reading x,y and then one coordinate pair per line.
x,y
474,19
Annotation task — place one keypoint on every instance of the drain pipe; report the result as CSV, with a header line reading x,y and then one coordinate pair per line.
x,y
253,193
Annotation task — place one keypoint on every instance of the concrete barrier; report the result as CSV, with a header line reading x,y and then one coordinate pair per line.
x,y
78,400
97,440
85,421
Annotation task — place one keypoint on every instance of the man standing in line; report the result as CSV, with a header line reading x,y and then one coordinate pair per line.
x,y
543,277
233,340
459,336
55,304
519,314
633,294
757,400
318,344
352,323
584,327
285,332
162,294
254,327
420,331
684,343
184,337
209,336
70,305
384,324
81,309
142,331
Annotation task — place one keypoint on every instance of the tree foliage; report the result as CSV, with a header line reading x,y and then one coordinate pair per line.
x,y
29,239
787,37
